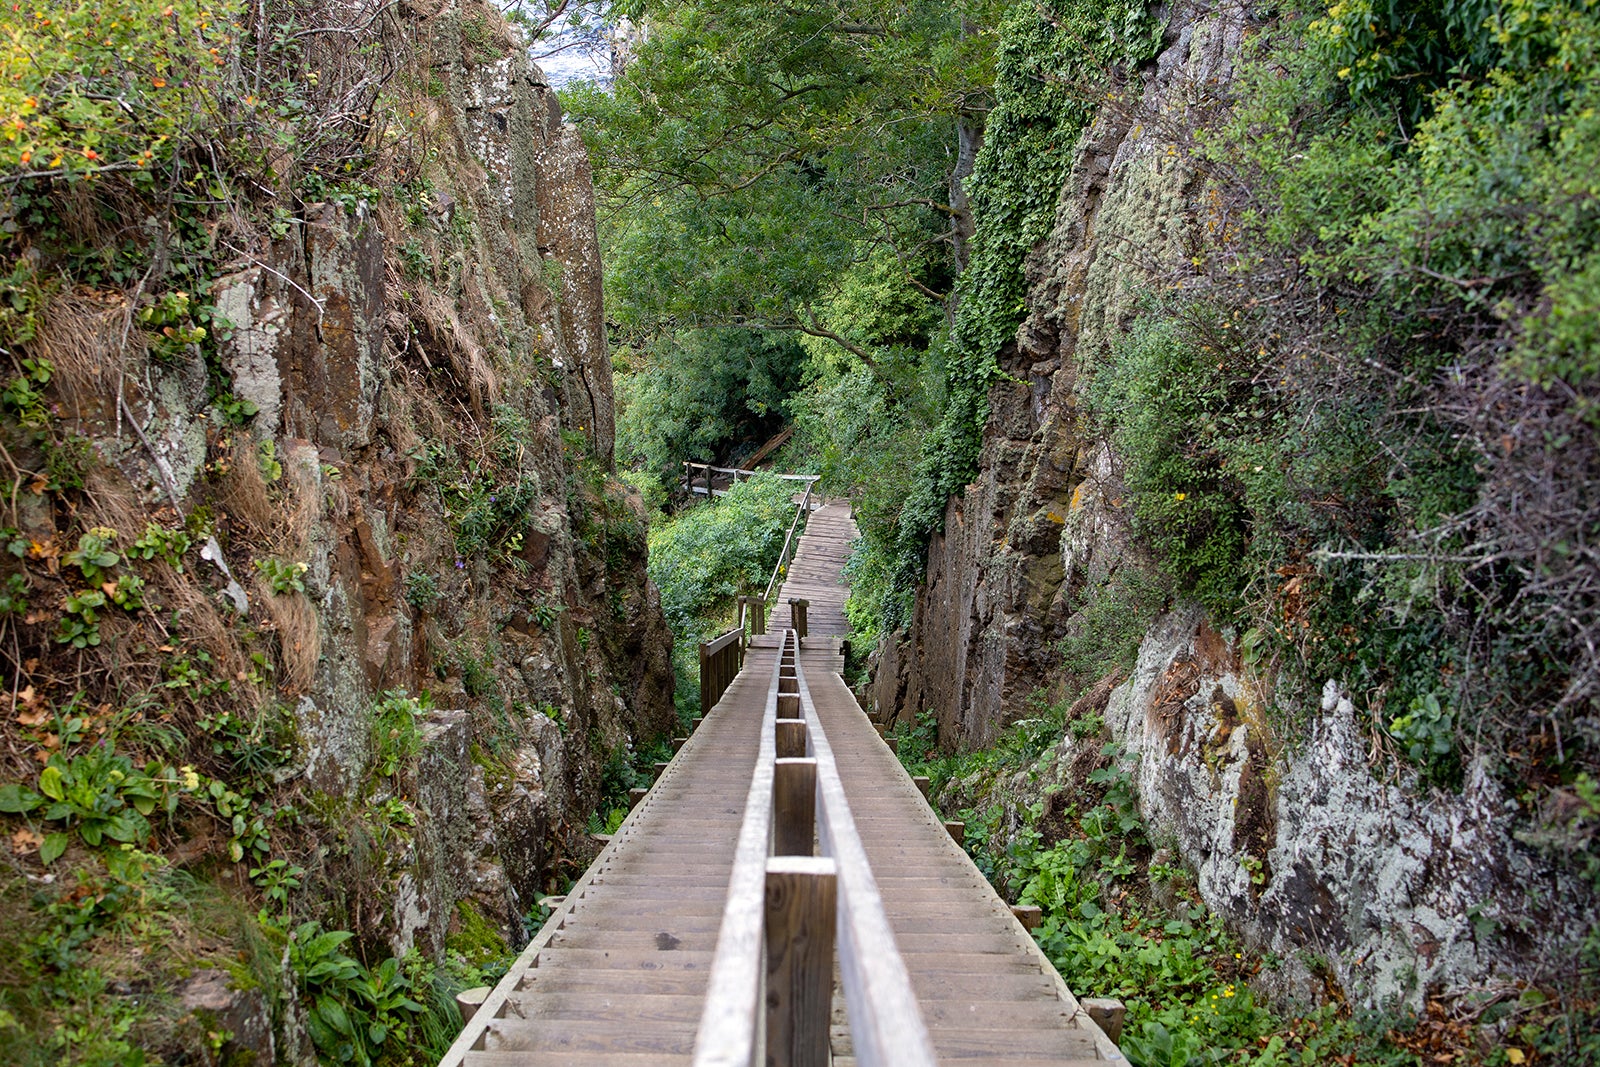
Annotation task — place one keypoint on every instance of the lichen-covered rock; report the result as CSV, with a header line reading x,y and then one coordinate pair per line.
x,y
1388,887
373,350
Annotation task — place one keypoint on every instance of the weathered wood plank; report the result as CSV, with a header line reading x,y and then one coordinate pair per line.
x,y
801,903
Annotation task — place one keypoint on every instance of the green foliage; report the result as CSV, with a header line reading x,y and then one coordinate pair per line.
x,y
162,544
1050,69
422,590
745,158
24,394
170,327
1428,734
1181,974
710,554
353,1012
283,577
79,626
1351,479
487,497
1111,620
396,738
100,795
693,391
94,555
14,595
93,90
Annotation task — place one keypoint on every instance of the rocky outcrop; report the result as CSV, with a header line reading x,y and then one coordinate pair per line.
x,y
380,352
1386,887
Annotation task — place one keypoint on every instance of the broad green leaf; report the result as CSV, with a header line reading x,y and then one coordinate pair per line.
x,y
333,1013
15,798
54,845
51,784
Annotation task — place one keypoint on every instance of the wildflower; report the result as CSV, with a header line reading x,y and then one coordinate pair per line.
x,y
461,564
1180,496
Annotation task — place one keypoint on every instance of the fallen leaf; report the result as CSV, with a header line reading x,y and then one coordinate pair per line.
x,y
1515,1056
25,842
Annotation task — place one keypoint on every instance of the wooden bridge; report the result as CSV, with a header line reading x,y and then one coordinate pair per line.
x,y
785,895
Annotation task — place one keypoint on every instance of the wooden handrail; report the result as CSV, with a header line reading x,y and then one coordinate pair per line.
x,y
803,508
734,473
886,1024
727,1034
720,660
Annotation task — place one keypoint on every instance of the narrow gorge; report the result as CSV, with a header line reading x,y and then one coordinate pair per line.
x,y
1212,387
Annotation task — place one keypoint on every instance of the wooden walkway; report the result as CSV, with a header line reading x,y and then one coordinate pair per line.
x,y
618,974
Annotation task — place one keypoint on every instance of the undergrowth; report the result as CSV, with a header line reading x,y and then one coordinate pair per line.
x,y
1122,918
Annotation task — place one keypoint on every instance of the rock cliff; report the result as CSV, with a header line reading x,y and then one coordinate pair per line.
x,y
391,454
1309,845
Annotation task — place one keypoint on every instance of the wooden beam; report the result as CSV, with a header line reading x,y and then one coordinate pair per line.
x,y
801,902
923,785
634,796
727,1035
1029,915
957,831
794,806
790,738
1108,1014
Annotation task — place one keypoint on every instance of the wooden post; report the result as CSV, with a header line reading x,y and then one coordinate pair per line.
x,y
788,705
801,895
790,738
659,768
794,806
706,681
1029,915
678,743
758,616
711,493
470,1000
1107,1014
923,785
634,796
958,831
893,743
797,615
788,684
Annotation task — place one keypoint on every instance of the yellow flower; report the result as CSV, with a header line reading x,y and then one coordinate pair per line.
x,y
1180,496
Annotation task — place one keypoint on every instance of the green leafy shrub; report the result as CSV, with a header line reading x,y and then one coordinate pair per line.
x,y
100,795
710,554
354,1012
396,737
283,577
96,90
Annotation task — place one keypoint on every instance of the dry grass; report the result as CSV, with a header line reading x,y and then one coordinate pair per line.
x,y
90,338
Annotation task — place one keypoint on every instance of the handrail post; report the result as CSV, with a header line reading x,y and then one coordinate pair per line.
x,y
794,806
706,681
758,616
797,615
802,894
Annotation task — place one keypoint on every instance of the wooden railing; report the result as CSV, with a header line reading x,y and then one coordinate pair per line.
x,y
787,910
785,558
720,660
701,478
